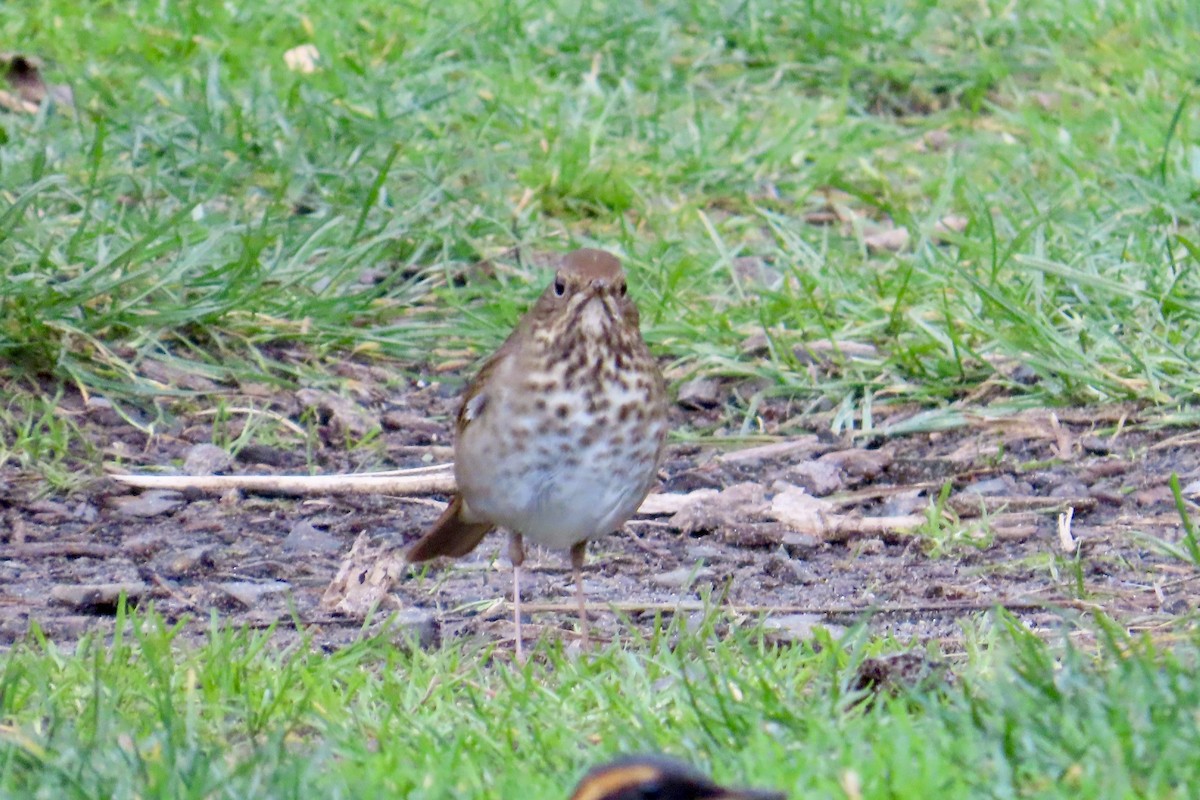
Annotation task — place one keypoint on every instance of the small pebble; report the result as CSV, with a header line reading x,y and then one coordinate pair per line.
x,y
794,628
250,593
206,459
699,394
304,537
98,596
149,504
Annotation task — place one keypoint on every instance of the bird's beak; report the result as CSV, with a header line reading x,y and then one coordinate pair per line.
x,y
600,293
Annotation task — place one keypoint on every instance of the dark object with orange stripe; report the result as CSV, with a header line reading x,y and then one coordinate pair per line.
x,y
657,778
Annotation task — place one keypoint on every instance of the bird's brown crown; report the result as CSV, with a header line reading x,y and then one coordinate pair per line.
x,y
587,272
590,265
644,777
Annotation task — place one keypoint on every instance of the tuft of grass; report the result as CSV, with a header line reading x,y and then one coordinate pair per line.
x,y
207,208
1187,549
944,533
1190,548
36,437
237,715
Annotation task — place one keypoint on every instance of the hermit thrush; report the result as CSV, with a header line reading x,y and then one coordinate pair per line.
x,y
560,433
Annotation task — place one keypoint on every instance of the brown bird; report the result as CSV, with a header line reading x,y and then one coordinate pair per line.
x,y
657,778
559,435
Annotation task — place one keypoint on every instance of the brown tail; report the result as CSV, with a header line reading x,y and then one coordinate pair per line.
x,y
449,536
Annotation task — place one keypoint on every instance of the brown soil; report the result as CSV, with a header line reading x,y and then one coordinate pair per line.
x,y
263,561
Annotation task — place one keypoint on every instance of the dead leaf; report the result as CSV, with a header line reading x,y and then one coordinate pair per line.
x,y
886,240
699,394
948,225
937,140
973,450
13,103
756,344
895,673
1037,424
733,506
303,59
341,414
859,463
824,216
804,513
736,514
170,376
1047,101
819,351
801,511
846,348
835,471
774,450
757,270
816,477
364,580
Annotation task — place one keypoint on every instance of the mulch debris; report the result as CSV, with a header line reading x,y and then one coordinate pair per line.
x,y
909,533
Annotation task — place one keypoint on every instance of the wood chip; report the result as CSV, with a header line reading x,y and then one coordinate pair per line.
x,y
806,514
658,505
774,450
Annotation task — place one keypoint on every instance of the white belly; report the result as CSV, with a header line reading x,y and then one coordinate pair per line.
x,y
558,487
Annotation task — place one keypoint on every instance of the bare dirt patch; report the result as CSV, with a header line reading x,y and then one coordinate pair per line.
x,y
261,561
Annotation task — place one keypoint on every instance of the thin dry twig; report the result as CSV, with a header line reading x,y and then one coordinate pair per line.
x,y
164,585
688,606
254,412
1179,440
435,479
58,550
773,450
968,504
414,484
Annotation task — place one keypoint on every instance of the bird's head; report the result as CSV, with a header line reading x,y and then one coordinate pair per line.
x,y
657,778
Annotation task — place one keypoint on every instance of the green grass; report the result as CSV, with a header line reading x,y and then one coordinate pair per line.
x,y
208,209
207,225
236,717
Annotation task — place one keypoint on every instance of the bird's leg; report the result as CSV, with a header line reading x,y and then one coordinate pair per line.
x,y
516,554
577,553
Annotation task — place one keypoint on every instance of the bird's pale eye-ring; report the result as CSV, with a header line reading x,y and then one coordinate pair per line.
x,y
560,287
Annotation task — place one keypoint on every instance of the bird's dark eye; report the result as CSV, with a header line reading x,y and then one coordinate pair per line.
x,y
622,289
560,288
